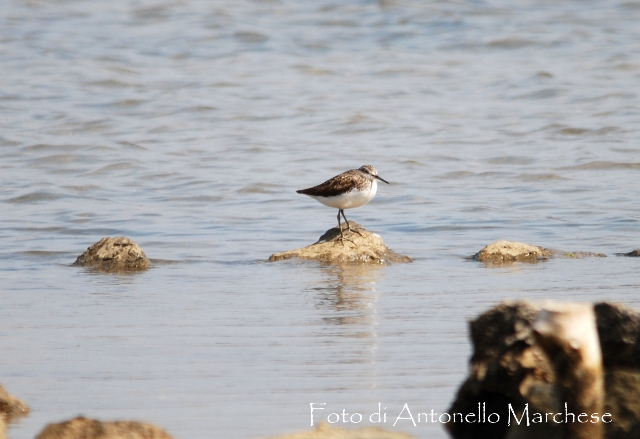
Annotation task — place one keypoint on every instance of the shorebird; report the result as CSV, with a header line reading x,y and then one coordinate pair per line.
x,y
350,189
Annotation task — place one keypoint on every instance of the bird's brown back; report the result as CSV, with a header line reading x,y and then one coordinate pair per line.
x,y
350,180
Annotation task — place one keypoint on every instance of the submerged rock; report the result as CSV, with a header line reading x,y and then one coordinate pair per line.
x,y
359,246
324,431
509,367
114,254
83,428
505,252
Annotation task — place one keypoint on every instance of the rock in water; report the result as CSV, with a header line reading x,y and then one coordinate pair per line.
x,y
364,247
10,409
506,252
325,431
83,428
114,254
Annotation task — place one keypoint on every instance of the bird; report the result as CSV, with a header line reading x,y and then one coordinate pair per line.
x,y
353,188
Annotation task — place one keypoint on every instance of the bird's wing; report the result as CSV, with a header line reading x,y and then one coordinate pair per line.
x,y
330,188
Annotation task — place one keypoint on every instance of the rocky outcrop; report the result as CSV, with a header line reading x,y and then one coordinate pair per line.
x,y
358,246
509,367
324,431
114,254
83,428
633,254
506,252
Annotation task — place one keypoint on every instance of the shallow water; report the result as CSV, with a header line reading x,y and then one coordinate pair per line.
x,y
188,125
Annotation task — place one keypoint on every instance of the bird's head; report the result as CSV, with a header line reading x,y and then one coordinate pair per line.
x,y
370,170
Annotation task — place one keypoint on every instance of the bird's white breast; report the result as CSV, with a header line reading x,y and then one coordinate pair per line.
x,y
351,199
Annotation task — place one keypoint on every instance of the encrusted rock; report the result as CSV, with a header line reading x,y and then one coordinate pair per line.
x,y
508,367
505,252
324,431
114,254
359,246
83,428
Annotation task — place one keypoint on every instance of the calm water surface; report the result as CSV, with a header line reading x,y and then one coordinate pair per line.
x,y
188,125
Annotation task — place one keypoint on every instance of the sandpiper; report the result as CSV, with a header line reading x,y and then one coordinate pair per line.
x,y
350,189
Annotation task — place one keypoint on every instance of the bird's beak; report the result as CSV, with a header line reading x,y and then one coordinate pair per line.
x,y
380,178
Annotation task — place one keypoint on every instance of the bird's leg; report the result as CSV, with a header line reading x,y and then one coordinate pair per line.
x,y
348,226
340,228
342,238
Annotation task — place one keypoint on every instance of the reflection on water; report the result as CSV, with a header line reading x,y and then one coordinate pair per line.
x,y
348,286
349,294
350,290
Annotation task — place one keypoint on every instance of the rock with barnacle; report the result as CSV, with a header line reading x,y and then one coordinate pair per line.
x,y
358,246
114,254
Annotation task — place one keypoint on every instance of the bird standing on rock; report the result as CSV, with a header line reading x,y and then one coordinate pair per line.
x,y
350,189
